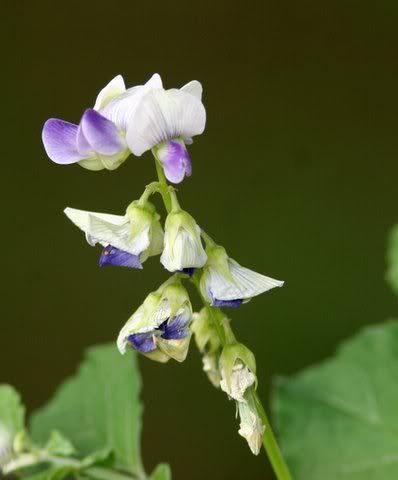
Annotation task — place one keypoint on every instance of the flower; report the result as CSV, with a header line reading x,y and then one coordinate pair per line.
x,y
135,120
238,370
165,121
128,240
241,379
251,425
183,249
159,328
225,283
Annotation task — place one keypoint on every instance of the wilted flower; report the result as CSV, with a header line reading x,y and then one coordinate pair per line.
x,y
238,370
183,249
251,426
160,327
225,283
241,379
128,240
138,119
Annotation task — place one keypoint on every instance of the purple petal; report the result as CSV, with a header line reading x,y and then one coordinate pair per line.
x,y
227,303
82,145
59,139
113,256
100,133
143,342
175,328
176,161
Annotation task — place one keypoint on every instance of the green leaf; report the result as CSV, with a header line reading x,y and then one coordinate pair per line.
x,y
98,408
392,259
12,412
161,472
339,420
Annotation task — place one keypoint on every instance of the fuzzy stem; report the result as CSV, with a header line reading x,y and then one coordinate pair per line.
x,y
269,440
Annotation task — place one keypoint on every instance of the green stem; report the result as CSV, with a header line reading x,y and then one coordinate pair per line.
x,y
269,441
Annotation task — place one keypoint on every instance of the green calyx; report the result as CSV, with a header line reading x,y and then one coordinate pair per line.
x,y
217,259
175,294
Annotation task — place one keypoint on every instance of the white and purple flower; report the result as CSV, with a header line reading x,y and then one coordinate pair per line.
x,y
136,120
128,240
225,283
159,329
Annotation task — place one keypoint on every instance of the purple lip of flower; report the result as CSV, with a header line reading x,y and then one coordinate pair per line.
x,y
176,162
227,303
143,342
67,143
113,256
188,271
175,328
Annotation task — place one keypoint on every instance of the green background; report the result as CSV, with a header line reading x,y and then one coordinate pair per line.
x,y
296,175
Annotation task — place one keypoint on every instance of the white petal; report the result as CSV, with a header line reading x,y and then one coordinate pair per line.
x,y
246,285
164,115
114,88
109,229
118,236
194,88
121,109
81,218
241,379
187,251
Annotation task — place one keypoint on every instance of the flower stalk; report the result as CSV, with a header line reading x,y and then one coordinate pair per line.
x,y
226,336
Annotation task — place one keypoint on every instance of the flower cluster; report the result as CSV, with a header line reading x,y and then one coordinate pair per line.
x,y
133,121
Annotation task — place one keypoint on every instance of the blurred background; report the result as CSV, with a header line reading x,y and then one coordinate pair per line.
x,y
296,175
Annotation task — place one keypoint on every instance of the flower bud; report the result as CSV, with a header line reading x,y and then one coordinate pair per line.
x,y
251,425
160,327
183,247
238,370
225,283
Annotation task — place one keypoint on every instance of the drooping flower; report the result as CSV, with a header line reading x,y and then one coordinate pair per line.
x,y
238,370
159,328
122,121
225,283
128,240
183,250
251,425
